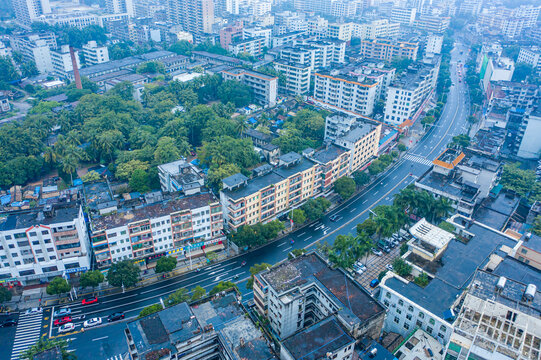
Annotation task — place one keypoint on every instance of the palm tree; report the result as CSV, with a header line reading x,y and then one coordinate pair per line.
x,y
50,156
442,208
241,126
69,166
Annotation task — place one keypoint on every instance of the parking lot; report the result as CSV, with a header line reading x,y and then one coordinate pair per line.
x,y
376,264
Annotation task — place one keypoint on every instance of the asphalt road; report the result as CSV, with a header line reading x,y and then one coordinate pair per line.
x,y
107,341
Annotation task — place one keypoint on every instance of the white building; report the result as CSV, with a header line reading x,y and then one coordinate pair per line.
x,y
36,47
403,15
340,31
530,146
61,61
186,226
252,46
406,94
44,243
180,176
297,76
120,7
27,11
433,44
375,29
530,56
253,33
317,54
95,54
265,87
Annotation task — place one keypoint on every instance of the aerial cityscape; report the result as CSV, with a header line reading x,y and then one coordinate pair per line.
x,y
270,179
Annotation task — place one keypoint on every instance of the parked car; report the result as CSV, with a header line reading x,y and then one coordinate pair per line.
x,y
389,267
359,271
37,310
90,300
66,327
8,323
387,249
116,316
62,312
374,283
92,322
376,252
62,321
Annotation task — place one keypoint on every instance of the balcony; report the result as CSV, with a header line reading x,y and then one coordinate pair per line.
x,y
235,207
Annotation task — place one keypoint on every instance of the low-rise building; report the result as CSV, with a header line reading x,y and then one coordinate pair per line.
x,y
212,328
528,250
183,226
387,49
265,87
498,319
298,293
37,245
4,102
252,46
181,176
95,54
61,61
530,56
407,94
419,345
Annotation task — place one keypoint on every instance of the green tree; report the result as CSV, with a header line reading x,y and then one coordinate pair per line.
x,y
166,151
179,296
5,295
254,270
314,209
124,171
401,267
91,279
123,273
218,173
123,89
518,180
296,253
139,181
90,177
460,141
151,309
344,251
166,264
404,248
58,286
522,72
381,275
400,63
223,286
29,69
422,280
344,186
8,72
402,147
45,344
537,225
151,67
108,142
368,227
188,98
182,47
298,216
376,167
361,178
198,292
235,92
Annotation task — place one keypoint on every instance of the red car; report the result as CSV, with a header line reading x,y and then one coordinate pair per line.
x,y
62,321
91,300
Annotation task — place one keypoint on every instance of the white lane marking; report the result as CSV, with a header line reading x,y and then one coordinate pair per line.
x,y
352,210
376,192
287,249
308,238
302,234
282,244
365,201
100,338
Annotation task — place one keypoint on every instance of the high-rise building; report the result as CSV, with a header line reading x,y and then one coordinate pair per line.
x,y
120,7
95,54
195,16
28,10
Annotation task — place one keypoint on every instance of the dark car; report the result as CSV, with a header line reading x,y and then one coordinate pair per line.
x,y
116,316
8,323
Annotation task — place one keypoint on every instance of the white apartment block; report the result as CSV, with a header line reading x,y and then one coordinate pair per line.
x,y
403,15
317,54
265,87
95,54
351,93
318,26
186,226
433,44
261,8
499,319
530,56
41,244
253,33
77,19
387,49
26,11
36,47
297,76
406,94
61,60
376,29
252,46
340,31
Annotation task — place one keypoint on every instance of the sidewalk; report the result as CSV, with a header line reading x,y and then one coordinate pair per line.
x,y
37,297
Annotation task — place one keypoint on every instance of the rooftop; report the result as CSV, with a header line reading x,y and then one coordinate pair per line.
x,y
26,219
455,269
357,303
512,294
431,234
241,71
222,58
413,77
166,207
316,341
514,269
359,131
414,347
380,353
449,158
327,154
496,211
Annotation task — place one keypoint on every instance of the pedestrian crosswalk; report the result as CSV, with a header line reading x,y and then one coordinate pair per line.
x,y
117,357
418,159
27,333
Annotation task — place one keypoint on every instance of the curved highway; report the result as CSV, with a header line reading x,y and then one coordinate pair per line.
x,y
109,340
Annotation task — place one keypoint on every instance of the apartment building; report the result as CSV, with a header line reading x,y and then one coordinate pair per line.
x,y
362,142
297,76
76,19
286,38
465,182
252,46
39,244
26,11
377,71
181,176
510,94
432,23
498,319
376,29
257,32
265,87
215,327
528,250
530,56
95,54
183,226
340,31
530,126
352,93
36,47
298,293
387,49
318,26
403,15
433,45
407,93
195,16
230,33
61,61
450,266
317,54
271,194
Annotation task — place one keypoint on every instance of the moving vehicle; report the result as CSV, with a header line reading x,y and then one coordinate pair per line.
x,y
92,322
8,323
62,321
243,263
335,217
374,283
66,327
116,316
62,312
37,310
90,300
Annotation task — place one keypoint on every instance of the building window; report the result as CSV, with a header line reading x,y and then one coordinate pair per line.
x,y
406,326
432,321
397,320
421,315
400,302
429,329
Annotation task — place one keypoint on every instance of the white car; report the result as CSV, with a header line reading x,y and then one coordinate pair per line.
x,y
66,327
359,271
376,252
389,267
37,310
92,322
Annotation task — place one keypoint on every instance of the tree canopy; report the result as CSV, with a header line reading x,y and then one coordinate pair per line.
x,y
166,264
58,286
123,273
